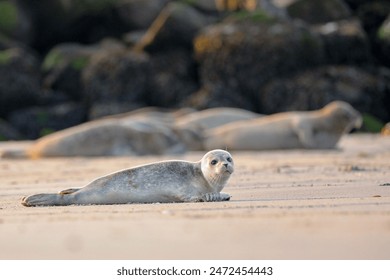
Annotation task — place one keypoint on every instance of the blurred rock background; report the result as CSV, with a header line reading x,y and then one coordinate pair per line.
x,y
64,62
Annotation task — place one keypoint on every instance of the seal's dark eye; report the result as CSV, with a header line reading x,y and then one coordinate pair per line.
x,y
213,162
229,159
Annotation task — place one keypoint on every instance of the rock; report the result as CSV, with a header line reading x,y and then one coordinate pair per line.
x,y
50,97
172,79
367,92
269,7
116,76
223,6
372,14
314,11
124,80
7,132
384,41
20,80
35,122
176,26
238,57
139,14
206,6
345,42
55,21
64,64
14,23
9,43
355,4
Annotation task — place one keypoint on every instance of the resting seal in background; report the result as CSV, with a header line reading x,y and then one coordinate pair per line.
x,y
319,129
214,117
166,181
144,131
137,135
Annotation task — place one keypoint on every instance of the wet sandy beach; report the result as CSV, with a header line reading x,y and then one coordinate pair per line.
x,y
285,205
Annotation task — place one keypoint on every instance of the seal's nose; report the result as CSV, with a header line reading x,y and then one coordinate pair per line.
x,y
226,164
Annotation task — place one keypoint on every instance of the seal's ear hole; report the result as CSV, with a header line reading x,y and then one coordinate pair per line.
x,y
213,162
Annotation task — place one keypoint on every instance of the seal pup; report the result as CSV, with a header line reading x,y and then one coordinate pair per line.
x,y
319,129
165,181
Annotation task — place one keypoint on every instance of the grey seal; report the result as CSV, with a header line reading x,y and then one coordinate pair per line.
x,y
318,129
160,182
214,117
136,135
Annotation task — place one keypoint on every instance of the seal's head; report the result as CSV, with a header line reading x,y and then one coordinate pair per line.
x,y
344,115
217,166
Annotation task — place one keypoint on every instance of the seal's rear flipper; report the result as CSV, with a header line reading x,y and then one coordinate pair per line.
x,y
13,154
45,199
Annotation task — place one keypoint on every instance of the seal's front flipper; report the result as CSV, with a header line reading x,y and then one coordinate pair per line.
x,y
209,197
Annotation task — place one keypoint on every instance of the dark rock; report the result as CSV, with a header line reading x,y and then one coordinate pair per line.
x,y
20,80
205,6
355,4
309,90
383,40
8,43
62,68
372,14
14,22
50,97
175,26
223,6
38,121
139,14
64,64
116,76
124,80
314,11
269,7
345,42
52,22
7,132
173,78
237,58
